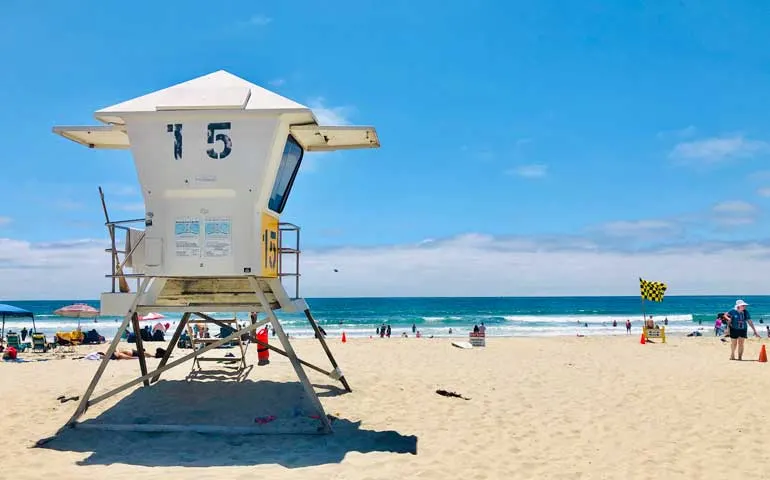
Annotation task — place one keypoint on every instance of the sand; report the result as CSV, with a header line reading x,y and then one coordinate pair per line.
x,y
594,407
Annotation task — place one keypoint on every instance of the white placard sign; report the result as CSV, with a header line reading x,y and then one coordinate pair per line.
x,y
218,241
187,236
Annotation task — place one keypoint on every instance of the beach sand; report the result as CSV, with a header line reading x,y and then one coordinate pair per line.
x,y
594,407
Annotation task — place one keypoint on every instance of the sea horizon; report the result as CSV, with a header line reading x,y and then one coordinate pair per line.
x,y
736,295
453,316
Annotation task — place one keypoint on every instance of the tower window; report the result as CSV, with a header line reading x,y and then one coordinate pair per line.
x,y
287,171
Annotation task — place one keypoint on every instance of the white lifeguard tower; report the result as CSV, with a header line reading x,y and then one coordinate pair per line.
x,y
216,158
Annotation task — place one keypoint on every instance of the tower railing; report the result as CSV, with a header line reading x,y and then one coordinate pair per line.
x,y
285,228
287,268
113,228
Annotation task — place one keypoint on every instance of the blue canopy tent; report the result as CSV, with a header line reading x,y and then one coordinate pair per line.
x,y
14,312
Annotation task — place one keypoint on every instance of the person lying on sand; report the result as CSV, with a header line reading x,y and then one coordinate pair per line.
x,y
131,354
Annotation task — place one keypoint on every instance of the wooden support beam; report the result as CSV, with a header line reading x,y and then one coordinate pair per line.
x,y
326,349
83,406
173,364
327,426
140,347
206,307
172,344
271,347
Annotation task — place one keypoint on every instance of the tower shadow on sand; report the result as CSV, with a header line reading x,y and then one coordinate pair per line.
x,y
217,403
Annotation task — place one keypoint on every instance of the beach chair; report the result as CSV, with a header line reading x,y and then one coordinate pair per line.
x,y
477,339
14,341
66,341
39,343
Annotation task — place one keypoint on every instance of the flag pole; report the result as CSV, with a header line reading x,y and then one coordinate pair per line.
x,y
641,295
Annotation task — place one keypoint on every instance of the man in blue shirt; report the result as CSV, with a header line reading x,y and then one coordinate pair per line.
x,y
739,320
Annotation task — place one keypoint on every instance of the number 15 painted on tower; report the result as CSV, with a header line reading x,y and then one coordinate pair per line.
x,y
216,132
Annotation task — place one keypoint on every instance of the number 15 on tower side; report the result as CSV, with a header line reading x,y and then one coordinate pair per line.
x,y
217,138
270,247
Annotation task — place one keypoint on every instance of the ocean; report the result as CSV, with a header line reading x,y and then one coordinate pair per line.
x,y
503,316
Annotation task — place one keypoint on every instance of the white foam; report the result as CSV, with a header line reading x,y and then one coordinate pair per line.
x,y
593,319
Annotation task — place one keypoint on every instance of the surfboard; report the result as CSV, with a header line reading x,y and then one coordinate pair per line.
x,y
462,344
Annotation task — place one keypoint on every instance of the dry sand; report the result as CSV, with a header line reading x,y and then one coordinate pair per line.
x,y
539,408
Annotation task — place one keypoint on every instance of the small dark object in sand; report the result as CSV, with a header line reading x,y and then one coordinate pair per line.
x,y
63,399
444,393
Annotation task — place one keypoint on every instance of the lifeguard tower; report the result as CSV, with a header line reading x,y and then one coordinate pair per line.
x,y
216,158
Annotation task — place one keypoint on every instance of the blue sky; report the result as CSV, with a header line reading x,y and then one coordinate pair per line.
x,y
621,128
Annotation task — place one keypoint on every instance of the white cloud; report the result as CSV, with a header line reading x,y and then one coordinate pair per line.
x,y
734,207
480,265
277,82
529,171
764,192
467,265
259,20
330,115
639,228
71,269
5,220
716,149
734,212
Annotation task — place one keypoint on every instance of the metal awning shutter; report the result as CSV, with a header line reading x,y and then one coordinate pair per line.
x,y
106,136
314,138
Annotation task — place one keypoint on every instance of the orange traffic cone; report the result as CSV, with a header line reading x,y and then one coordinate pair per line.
x,y
763,354
641,340
344,338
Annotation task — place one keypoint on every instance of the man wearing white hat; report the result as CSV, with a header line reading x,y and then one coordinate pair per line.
x,y
739,320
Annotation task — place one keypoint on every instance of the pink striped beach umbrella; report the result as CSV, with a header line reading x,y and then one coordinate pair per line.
x,y
77,310
152,316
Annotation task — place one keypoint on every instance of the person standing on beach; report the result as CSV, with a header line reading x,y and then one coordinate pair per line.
x,y
737,319
718,324
628,327
23,333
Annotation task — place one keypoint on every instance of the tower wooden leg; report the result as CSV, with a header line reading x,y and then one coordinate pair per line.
x,y
326,349
172,345
327,426
140,348
83,406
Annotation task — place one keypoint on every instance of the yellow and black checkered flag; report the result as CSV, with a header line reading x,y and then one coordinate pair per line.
x,y
652,291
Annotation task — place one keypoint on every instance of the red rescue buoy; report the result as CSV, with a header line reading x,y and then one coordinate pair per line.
x,y
263,353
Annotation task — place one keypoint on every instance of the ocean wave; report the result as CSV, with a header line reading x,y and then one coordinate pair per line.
x,y
593,318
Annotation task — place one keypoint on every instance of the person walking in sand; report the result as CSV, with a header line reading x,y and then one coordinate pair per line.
x,y
738,319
